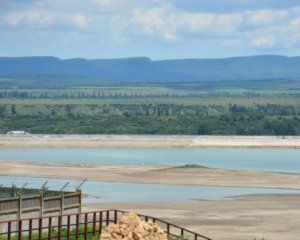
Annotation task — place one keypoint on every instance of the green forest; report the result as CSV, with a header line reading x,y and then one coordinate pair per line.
x,y
151,111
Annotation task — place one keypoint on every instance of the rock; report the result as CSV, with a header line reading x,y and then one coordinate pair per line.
x,y
131,227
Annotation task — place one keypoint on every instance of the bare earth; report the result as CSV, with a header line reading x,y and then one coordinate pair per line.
x,y
270,217
247,218
145,141
150,174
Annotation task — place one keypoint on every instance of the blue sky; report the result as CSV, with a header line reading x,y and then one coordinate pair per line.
x,y
160,29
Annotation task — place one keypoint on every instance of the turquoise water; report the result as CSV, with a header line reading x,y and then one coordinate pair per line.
x,y
274,160
129,192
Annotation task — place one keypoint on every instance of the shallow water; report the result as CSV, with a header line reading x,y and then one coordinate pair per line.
x,y
274,160
133,192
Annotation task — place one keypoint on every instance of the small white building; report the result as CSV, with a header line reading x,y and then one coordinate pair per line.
x,y
18,133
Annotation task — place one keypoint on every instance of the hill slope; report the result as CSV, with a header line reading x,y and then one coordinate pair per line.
x,y
20,71
239,68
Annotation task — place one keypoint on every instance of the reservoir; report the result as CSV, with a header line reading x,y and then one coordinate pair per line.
x,y
134,192
273,160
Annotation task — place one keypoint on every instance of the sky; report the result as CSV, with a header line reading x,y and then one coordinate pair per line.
x,y
159,29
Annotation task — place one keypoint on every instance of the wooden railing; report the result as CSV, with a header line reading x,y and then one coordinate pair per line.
x,y
41,203
81,225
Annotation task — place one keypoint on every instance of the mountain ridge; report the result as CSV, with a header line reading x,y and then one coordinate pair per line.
x,y
144,69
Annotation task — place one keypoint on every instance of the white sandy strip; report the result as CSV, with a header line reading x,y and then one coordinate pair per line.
x,y
144,141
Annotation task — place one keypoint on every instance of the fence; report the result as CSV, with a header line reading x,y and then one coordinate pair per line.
x,y
81,225
17,204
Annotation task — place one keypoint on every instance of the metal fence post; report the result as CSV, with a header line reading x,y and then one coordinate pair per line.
x,y
116,217
9,231
20,230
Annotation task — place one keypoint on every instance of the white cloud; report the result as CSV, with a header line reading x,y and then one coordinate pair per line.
x,y
102,3
170,37
33,16
261,29
13,18
123,20
155,22
169,24
295,22
45,19
80,21
263,42
196,22
151,21
265,17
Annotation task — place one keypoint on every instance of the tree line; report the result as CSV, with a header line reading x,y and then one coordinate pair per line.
x,y
233,119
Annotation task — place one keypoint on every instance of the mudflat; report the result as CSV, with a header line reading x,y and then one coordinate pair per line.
x,y
147,141
269,217
150,174
274,217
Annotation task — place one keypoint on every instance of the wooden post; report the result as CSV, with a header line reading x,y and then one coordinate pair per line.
x,y
68,226
19,206
94,224
30,230
100,223
168,230
62,203
20,230
9,231
50,228
80,201
59,227
116,217
40,228
41,204
85,226
107,218
77,227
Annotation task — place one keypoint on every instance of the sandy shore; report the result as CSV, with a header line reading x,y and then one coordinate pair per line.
x,y
273,217
147,141
246,218
150,174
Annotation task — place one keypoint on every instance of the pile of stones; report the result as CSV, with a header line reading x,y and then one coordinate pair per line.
x,y
131,227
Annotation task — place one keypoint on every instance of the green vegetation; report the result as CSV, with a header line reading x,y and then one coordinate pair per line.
x,y
191,166
54,234
270,119
151,110
81,237
186,166
178,238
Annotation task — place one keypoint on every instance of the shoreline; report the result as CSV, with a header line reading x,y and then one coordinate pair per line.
x,y
147,141
248,217
260,216
213,177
